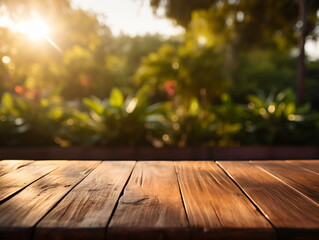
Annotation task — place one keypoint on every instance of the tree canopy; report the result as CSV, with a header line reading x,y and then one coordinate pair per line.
x,y
252,21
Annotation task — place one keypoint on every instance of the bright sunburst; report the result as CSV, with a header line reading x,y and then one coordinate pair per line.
x,y
34,29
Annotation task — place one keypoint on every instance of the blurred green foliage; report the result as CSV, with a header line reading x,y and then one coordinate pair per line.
x,y
269,70
276,119
133,121
91,88
113,121
245,23
30,122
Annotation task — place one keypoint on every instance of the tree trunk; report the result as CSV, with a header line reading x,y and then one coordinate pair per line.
x,y
301,67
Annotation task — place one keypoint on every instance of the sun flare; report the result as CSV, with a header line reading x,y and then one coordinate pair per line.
x,y
34,29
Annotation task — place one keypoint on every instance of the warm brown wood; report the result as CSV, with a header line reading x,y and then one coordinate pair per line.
x,y
294,215
299,178
20,213
216,207
312,165
12,182
151,207
160,200
7,166
85,212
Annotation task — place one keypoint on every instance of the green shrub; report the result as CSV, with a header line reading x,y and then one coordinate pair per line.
x,y
113,121
276,119
28,121
272,119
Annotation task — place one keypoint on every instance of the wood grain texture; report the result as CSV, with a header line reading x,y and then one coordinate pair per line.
x,y
20,213
151,207
82,200
7,166
293,214
215,207
299,178
14,181
312,165
85,212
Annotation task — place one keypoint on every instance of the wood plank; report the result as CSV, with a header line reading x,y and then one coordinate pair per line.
x,y
13,182
299,178
215,207
312,165
86,210
7,166
151,207
20,213
294,215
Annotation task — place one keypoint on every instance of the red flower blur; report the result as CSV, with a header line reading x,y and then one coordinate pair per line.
x,y
85,81
170,87
22,91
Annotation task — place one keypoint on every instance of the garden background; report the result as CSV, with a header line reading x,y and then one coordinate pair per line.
x,y
229,80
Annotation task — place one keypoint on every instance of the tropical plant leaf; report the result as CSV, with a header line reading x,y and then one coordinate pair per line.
x,y
116,98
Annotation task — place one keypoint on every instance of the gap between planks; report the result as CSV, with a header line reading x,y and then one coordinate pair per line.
x,y
216,207
86,211
198,229
19,214
293,214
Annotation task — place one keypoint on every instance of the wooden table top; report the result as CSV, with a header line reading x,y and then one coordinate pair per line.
x,y
159,200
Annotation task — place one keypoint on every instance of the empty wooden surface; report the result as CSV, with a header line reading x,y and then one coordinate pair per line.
x,y
88,206
299,178
151,206
16,180
288,209
27,207
216,207
311,165
159,200
7,166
